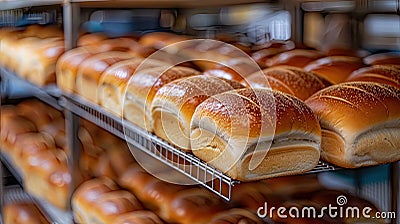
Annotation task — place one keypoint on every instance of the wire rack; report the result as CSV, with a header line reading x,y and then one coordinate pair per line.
x,y
186,163
52,213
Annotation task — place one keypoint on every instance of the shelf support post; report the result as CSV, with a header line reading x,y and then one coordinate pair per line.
x,y
394,182
71,24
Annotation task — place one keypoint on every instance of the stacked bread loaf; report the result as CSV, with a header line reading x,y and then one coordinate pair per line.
x,y
33,52
33,136
22,213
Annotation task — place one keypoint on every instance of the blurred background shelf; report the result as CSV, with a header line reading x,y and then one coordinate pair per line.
x,y
16,4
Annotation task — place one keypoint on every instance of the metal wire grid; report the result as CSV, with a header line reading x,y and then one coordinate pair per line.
x,y
185,163
52,213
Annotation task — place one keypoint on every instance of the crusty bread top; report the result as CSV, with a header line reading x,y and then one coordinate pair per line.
x,y
296,57
354,107
385,74
255,113
95,65
289,79
145,83
383,58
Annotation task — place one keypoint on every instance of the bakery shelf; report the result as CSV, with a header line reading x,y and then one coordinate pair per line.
x,y
160,3
15,4
53,214
48,94
195,169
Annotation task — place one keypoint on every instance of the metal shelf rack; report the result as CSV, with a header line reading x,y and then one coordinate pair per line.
x,y
16,4
195,169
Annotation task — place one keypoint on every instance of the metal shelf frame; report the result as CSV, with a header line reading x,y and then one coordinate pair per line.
x,y
16,4
194,168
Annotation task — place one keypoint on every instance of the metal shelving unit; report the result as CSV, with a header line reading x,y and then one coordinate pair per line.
x,y
16,4
195,169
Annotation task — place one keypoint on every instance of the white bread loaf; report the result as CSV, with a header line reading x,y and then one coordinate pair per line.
x,y
360,123
138,217
91,69
385,74
296,57
288,79
174,104
335,68
113,82
194,206
22,213
227,129
86,195
47,177
142,88
110,205
67,68
236,216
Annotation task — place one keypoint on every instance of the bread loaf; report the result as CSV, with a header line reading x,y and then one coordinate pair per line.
x,y
90,71
195,206
235,69
160,39
142,88
383,59
86,195
22,213
91,39
288,79
236,216
174,104
110,205
370,139
47,177
296,57
40,68
67,68
385,74
113,82
31,143
227,128
39,113
334,68
138,217
11,127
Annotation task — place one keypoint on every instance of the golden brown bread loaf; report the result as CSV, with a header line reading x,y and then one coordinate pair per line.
x,y
235,69
195,206
261,56
138,217
47,177
91,69
288,79
11,127
135,179
39,113
174,104
142,88
113,82
236,216
383,59
296,57
110,205
22,213
347,52
227,128
160,39
30,143
370,139
86,195
385,74
90,39
67,68
334,68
